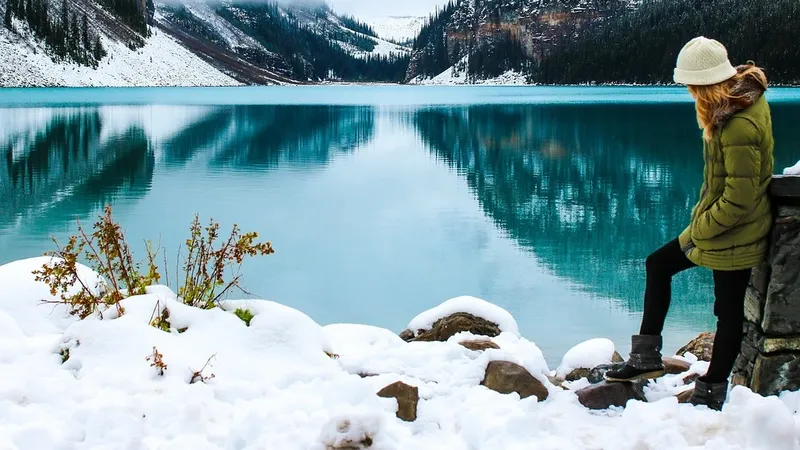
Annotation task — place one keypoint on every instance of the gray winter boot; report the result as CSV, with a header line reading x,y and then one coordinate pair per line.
x,y
644,362
712,395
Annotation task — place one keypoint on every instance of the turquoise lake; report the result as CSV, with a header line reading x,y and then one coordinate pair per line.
x,y
384,201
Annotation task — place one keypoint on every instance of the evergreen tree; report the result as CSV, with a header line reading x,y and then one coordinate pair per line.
x,y
61,30
640,46
98,50
86,43
8,15
29,13
74,40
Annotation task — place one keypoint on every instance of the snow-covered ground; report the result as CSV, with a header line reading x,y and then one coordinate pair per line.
x,y
458,74
161,62
382,48
69,384
396,28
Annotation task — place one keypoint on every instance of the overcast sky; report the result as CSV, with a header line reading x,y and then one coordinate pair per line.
x,y
367,8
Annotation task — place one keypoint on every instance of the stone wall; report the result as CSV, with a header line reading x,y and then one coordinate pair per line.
x,y
770,358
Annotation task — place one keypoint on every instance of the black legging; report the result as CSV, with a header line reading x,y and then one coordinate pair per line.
x,y
729,290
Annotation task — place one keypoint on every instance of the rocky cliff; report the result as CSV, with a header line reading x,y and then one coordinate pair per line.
x,y
488,37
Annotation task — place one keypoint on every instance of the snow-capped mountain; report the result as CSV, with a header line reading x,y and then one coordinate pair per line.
x,y
402,29
195,43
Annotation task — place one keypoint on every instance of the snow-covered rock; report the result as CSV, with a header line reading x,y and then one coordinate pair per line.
x,y
354,338
794,170
466,304
587,355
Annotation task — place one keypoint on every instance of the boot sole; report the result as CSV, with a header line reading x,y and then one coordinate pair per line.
x,y
645,376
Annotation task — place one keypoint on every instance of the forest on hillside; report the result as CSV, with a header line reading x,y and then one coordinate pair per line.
x,y
631,45
312,52
641,46
66,34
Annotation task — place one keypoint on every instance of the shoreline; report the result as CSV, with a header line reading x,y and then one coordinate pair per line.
x,y
274,378
369,84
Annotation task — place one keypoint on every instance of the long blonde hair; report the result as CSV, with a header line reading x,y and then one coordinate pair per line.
x,y
713,100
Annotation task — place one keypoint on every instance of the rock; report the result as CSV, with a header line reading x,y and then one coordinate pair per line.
x,y
684,396
776,345
577,374
739,379
445,328
558,382
579,360
605,395
701,347
479,345
675,366
407,399
507,377
348,435
782,306
689,379
775,374
407,335
598,374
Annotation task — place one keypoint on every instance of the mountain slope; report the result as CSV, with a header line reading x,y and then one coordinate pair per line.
x,y
401,29
161,61
303,42
488,38
597,41
137,42
640,46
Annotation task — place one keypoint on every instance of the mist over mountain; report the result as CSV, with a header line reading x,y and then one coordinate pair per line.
x,y
229,42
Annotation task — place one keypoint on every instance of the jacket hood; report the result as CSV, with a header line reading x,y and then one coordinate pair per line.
x,y
747,91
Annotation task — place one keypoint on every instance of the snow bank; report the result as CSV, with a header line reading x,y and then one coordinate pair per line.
x,y
470,305
354,339
22,297
586,355
794,170
161,62
89,385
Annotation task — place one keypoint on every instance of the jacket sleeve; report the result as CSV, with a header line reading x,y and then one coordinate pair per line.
x,y
685,239
742,158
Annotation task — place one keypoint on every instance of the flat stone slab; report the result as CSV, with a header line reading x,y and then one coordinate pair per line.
x,y
785,186
782,307
775,374
782,344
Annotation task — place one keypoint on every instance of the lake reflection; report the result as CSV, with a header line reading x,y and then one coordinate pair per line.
x,y
377,213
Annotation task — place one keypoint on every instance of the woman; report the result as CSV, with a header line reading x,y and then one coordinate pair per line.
x,y
729,225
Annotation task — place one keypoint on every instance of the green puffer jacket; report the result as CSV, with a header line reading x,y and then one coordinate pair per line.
x,y
731,223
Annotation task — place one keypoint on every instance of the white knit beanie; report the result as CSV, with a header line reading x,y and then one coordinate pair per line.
x,y
703,62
